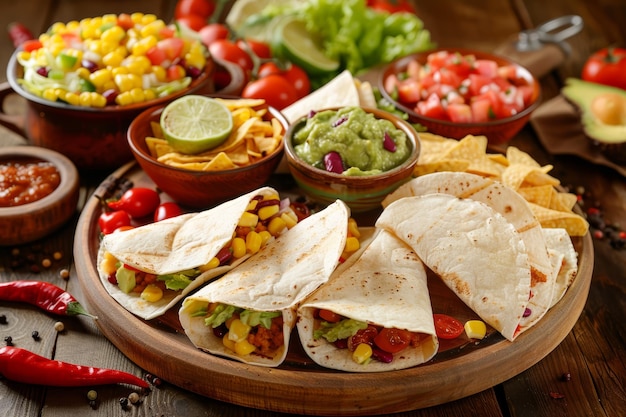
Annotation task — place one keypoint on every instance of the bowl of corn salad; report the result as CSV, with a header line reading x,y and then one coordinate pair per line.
x,y
85,81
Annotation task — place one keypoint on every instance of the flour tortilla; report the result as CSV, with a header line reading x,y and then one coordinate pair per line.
x,y
475,251
565,258
173,245
385,286
514,208
276,278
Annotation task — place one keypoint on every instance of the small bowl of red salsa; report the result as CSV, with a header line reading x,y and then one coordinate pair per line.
x,y
456,92
38,193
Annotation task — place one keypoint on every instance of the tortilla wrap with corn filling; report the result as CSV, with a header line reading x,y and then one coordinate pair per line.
x,y
477,253
271,283
514,208
385,287
173,249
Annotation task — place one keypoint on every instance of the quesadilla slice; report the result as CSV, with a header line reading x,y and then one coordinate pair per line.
x,y
475,251
148,269
248,313
373,315
514,208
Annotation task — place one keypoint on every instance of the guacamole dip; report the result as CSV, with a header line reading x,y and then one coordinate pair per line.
x,y
367,145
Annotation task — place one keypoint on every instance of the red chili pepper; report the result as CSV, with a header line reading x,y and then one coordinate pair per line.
x,y
19,33
44,295
21,365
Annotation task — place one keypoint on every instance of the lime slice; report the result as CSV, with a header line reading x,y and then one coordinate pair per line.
x,y
301,48
193,123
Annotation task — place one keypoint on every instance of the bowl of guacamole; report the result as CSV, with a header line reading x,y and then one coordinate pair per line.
x,y
355,154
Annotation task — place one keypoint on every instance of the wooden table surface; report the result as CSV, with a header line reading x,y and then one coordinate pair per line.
x,y
592,354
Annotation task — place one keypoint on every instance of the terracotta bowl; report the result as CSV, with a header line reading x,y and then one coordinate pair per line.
x,y
360,193
31,221
497,131
94,139
200,189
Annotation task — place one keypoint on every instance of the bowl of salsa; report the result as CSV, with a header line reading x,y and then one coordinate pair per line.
x,y
38,193
455,92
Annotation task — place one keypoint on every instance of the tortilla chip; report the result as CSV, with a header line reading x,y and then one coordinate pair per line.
x,y
540,195
574,224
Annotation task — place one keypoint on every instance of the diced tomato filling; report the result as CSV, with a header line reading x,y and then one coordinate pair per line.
x,y
448,80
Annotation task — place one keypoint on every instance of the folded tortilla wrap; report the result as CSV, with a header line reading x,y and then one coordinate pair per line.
x,y
275,279
513,207
177,244
475,251
564,257
386,286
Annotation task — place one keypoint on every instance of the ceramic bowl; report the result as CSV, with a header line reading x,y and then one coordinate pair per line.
x,y
498,131
94,139
28,222
360,193
200,189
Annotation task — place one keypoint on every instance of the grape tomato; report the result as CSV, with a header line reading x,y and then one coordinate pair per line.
x,y
447,327
167,210
137,202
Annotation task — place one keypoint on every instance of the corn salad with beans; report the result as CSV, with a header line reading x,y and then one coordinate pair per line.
x,y
110,60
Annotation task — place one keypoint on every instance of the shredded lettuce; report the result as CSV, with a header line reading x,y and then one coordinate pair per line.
x,y
220,315
341,330
254,318
180,280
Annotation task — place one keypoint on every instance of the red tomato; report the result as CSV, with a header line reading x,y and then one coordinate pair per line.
x,y
125,21
260,49
447,327
137,202
202,8
392,340
167,210
212,32
32,45
391,6
276,90
110,221
607,66
329,316
192,21
293,73
229,51
173,47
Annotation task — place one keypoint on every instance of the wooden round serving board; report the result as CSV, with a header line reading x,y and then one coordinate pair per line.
x,y
461,368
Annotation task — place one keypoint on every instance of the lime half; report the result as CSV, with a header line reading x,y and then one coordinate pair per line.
x,y
193,123
302,48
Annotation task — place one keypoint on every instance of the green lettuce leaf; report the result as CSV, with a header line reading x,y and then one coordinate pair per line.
x,y
340,330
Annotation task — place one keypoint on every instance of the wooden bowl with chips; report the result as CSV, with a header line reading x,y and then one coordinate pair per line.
x,y
464,92
243,163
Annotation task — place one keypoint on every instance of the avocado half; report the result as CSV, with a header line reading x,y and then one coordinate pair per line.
x,y
583,94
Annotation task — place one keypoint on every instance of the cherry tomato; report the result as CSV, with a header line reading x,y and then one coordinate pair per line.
x,y
167,210
229,51
202,8
137,202
392,340
329,316
293,73
212,32
607,66
275,89
110,221
447,327
192,21
260,49
391,6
